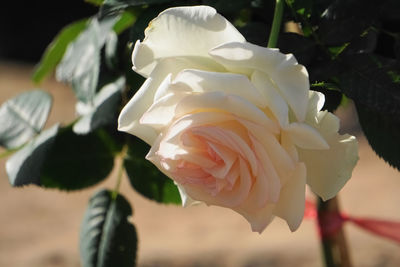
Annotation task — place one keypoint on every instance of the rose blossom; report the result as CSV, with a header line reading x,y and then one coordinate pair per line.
x,y
232,123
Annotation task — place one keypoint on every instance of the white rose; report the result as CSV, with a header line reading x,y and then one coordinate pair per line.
x,y
232,123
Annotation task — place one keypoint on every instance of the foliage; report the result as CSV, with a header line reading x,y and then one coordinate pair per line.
x,y
350,48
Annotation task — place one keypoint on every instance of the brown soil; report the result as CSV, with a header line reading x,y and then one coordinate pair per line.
x,y
40,227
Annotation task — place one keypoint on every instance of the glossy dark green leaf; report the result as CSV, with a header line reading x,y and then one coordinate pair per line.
x,y
23,116
55,51
372,81
24,167
145,178
345,20
382,132
77,161
80,65
107,237
374,84
104,109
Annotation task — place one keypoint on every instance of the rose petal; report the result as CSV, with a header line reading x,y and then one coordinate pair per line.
x,y
290,77
267,184
225,198
128,120
292,198
198,81
202,27
281,160
275,101
329,170
219,101
305,136
230,140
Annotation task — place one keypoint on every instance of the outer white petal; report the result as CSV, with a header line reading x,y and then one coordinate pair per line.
x,y
128,120
329,170
162,111
198,81
152,90
275,101
290,78
182,31
221,102
305,136
292,199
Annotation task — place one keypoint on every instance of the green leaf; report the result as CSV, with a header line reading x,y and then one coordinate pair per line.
x,y
55,51
107,238
77,161
23,117
104,109
126,20
24,167
145,178
111,51
382,132
345,20
374,84
372,81
80,65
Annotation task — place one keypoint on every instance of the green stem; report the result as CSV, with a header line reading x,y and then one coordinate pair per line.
x,y
276,24
334,244
115,192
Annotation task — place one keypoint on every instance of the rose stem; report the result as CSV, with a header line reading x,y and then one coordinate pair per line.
x,y
276,24
115,192
333,241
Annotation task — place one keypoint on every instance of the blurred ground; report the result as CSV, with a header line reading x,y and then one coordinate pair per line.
x,y
40,228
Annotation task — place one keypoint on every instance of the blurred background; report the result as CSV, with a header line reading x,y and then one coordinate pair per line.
x,y
40,228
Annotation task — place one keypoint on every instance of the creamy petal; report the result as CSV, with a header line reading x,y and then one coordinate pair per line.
x,y
329,170
275,101
162,111
229,199
292,199
182,31
219,101
231,140
128,120
198,81
267,184
305,136
281,160
290,78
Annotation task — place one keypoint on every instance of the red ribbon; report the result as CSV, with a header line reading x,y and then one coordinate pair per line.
x,y
333,221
